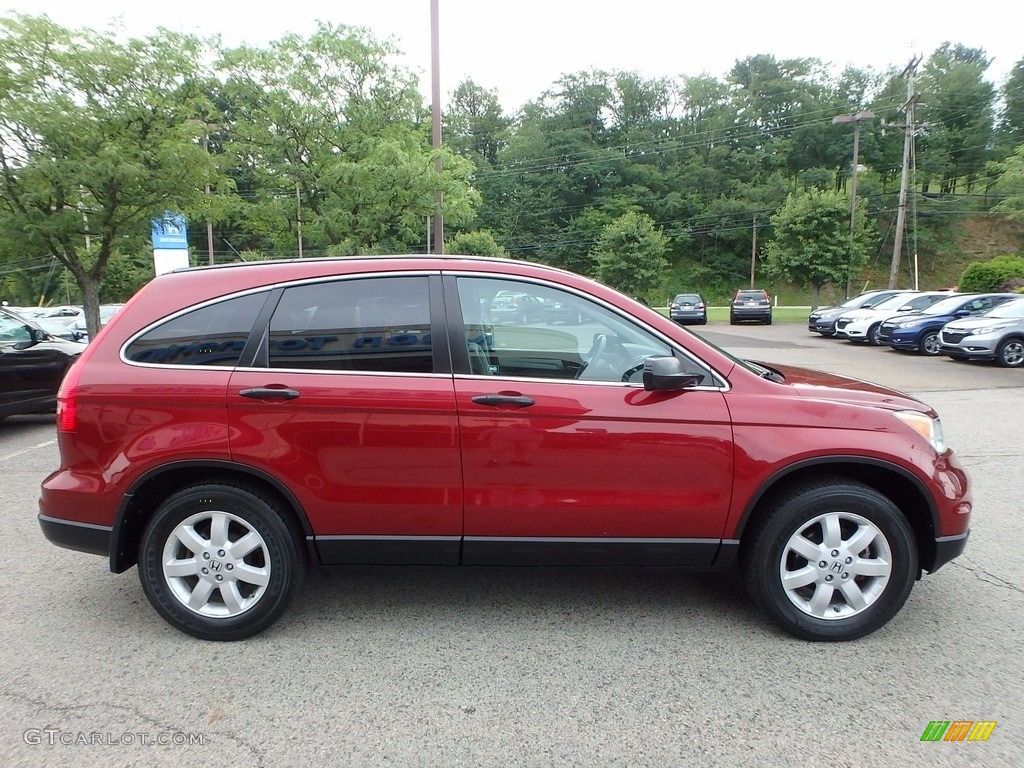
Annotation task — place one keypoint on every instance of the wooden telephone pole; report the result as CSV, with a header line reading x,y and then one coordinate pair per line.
x,y
908,138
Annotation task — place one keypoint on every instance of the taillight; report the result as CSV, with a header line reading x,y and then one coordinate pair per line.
x,y
67,400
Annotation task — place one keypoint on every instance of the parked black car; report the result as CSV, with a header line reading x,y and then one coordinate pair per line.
x,y
32,365
689,308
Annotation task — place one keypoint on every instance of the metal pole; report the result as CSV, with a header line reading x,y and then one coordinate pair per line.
x,y
435,70
856,120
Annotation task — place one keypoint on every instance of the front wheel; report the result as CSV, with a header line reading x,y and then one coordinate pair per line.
x,y
831,560
929,344
220,562
1010,354
873,335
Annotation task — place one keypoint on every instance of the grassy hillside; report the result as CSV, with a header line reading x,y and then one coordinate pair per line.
x,y
944,252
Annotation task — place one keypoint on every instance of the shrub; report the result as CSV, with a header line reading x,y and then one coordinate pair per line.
x,y
991,275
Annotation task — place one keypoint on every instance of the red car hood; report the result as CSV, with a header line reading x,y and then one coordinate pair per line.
x,y
828,386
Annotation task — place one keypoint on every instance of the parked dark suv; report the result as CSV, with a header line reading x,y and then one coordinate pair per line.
x,y
233,424
753,304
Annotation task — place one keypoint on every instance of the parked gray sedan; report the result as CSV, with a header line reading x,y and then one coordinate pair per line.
x,y
689,308
997,335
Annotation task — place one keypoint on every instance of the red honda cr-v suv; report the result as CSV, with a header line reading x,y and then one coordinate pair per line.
x,y
232,425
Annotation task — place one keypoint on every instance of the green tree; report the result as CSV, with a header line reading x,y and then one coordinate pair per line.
x,y
811,245
99,137
330,120
476,243
959,103
1011,122
630,255
475,126
1010,184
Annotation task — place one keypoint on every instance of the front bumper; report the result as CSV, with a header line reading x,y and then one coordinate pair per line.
x,y
901,342
947,548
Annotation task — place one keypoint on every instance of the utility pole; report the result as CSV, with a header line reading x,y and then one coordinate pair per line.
x,y
753,253
298,216
209,221
908,137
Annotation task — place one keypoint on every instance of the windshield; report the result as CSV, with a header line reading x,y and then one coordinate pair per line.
x,y
1012,308
946,306
893,302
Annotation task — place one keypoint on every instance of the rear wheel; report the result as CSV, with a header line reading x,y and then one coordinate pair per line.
x,y
220,562
1010,353
831,560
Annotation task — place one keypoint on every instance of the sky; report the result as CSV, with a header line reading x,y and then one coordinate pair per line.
x,y
520,48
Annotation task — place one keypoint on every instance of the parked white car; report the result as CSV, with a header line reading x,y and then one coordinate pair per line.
x,y
861,325
997,335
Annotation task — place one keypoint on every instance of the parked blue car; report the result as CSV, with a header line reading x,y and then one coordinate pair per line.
x,y
919,331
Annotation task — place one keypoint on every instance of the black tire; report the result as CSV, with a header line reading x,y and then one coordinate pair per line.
x,y
1010,353
880,573
872,335
929,344
235,594
768,321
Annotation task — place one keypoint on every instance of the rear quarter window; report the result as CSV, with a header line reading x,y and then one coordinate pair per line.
x,y
212,335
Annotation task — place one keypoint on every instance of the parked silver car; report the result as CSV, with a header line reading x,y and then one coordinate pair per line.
x,y
997,335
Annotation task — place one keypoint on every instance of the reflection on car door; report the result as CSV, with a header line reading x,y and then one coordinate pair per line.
x,y
561,469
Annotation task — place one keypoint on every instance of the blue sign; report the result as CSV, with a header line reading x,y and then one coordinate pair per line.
x,y
169,232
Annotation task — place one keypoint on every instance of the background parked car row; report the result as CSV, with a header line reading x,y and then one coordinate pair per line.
x,y
961,326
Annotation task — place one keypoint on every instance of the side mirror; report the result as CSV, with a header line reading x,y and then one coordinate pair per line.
x,y
666,374
34,337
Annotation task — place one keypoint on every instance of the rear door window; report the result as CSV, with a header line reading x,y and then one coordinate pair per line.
x,y
367,324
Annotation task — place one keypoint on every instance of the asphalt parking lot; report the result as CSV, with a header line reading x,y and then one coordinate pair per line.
x,y
422,667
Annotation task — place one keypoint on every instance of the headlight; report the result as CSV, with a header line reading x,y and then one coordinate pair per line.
x,y
989,328
930,429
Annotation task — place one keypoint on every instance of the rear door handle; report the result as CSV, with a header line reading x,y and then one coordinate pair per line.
x,y
269,393
517,401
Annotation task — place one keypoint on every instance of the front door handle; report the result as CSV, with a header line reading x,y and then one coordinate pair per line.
x,y
268,393
517,401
